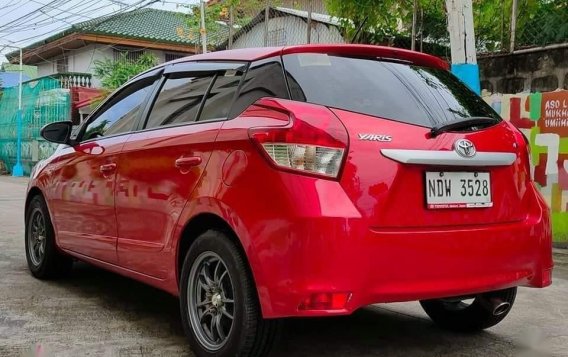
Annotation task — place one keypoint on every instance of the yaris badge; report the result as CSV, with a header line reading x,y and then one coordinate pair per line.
x,y
375,137
464,148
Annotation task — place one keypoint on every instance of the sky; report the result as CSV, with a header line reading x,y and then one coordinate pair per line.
x,y
23,22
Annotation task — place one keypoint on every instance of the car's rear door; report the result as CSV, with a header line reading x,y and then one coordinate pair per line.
x,y
161,164
397,172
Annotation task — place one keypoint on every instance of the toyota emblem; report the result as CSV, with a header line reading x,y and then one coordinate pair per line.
x,y
464,148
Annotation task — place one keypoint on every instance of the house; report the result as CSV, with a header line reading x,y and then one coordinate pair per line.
x,y
287,26
75,50
29,72
64,88
11,79
10,74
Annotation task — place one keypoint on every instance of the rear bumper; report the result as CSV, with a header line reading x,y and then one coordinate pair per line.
x,y
374,265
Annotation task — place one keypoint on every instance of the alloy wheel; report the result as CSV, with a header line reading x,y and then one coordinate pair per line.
x,y
37,238
211,304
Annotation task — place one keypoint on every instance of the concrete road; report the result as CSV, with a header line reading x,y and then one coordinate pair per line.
x,y
95,313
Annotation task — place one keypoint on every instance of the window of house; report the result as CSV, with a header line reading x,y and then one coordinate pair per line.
x,y
220,98
277,37
128,54
178,101
174,56
119,115
62,65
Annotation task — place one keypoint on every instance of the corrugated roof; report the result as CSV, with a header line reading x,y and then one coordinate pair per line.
x,y
30,71
9,79
280,12
147,24
326,19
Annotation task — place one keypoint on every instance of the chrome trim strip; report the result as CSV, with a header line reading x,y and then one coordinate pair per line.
x,y
449,158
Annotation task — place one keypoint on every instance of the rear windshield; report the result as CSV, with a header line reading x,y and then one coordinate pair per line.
x,y
391,90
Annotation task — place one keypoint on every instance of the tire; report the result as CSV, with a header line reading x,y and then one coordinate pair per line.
x,y
456,315
214,255
45,261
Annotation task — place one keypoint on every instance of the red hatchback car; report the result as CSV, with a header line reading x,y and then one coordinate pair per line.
x,y
266,183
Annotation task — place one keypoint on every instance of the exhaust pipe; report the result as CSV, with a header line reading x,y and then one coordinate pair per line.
x,y
495,305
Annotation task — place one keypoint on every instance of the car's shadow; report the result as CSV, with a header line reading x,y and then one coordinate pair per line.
x,y
374,331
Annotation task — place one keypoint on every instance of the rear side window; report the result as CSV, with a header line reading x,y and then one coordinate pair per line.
x,y
220,98
397,91
178,101
264,79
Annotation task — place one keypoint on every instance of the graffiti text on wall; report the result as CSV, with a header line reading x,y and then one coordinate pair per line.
x,y
543,117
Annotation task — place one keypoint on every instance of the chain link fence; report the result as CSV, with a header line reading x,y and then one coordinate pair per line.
x,y
543,25
45,102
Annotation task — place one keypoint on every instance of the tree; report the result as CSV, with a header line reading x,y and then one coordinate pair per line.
x,y
538,21
114,73
217,17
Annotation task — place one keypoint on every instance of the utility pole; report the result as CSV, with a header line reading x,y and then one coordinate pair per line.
x,y
203,30
414,15
266,19
514,25
18,169
309,23
462,42
231,24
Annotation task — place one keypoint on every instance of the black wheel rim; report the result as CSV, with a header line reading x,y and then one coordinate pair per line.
x,y
37,238
211,303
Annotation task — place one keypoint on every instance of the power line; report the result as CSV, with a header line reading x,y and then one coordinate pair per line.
x,y
132,7
10,4
36,14
14,9
29,14
54,19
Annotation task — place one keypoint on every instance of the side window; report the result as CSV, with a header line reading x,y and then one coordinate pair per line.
x,y
120,114
220,98
264,79
178,101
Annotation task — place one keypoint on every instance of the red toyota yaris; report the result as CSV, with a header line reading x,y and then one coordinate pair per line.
x,y
300,181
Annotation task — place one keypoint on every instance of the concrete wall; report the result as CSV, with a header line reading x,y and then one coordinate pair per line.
x,y
543,118
540,71
294,31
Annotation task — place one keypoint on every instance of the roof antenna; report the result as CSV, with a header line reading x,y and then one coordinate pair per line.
x,y
359,28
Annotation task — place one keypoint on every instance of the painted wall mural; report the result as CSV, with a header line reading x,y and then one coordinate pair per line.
x,y
543,118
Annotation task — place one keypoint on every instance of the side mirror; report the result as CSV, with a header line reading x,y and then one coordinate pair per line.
x,y
58,132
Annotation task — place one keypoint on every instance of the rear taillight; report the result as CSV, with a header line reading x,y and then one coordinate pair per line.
x,y
524,149
313,142
309,158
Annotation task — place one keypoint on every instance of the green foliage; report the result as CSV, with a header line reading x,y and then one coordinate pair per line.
x,y
378,20
543,23
113,73
539,21
217,16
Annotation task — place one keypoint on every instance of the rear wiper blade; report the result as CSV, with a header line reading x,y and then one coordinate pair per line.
x,y
462,123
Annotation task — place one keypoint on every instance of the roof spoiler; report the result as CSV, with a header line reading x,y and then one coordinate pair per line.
x,y
382,52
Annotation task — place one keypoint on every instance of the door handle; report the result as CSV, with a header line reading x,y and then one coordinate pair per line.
x,y
107,169
184,162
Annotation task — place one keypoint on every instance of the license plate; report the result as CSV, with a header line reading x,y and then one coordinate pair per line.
x,y
458,190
